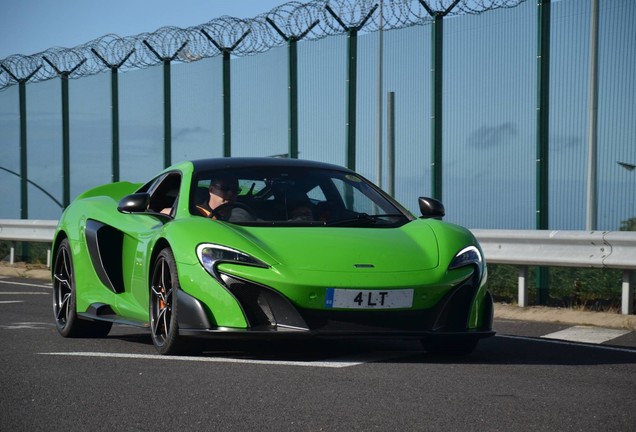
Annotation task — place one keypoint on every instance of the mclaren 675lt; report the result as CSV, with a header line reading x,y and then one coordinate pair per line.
x,y
266,248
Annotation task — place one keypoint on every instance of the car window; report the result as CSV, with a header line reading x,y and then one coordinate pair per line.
x,y
316,194
164,193
251,186
291,196
358,197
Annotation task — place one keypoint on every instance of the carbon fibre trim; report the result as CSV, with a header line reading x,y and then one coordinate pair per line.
x,y
104,247
267,310
191,313
274,333
264,307
103,312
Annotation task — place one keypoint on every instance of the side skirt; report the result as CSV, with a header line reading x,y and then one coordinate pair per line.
x,y
103,312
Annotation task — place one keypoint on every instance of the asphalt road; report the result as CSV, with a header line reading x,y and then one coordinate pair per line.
x,y
517,381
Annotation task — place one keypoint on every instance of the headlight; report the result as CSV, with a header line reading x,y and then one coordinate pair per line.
x,y
211,255
468,256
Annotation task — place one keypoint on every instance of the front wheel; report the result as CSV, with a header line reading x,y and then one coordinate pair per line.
x,y
164,285
65,296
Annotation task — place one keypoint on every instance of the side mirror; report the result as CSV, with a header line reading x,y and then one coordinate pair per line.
x,y
134,203
431,208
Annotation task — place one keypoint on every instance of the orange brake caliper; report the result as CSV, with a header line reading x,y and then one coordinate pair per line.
x,y
162,304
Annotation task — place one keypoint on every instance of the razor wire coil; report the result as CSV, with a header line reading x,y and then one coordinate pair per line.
x,y
309,20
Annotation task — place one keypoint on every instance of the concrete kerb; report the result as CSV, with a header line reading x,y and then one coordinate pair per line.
x,y
502,311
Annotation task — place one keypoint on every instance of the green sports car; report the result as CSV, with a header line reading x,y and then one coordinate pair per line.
x,y
269,248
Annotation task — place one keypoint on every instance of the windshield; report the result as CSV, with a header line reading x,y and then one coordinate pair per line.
x,y
284,196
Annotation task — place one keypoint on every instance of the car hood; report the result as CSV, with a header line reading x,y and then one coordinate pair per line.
x,y
412,247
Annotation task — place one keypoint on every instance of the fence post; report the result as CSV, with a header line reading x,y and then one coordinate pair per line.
x,y
66,144
293,83
167,101
352,62
437,64
227,97
114,96
438,102
24,193
24,201
543,143
390,151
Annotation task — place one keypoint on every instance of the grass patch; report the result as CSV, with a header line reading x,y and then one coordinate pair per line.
x,y
583,289
26,252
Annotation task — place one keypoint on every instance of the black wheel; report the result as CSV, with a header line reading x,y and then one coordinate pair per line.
x,y
450,346
64,300
164,285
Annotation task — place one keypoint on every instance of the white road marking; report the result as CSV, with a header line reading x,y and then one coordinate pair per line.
x,y
26,325
562,342
48,285
339,363
11,301
586,334
23,293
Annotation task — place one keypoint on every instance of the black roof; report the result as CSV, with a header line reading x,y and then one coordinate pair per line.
x,y
247,162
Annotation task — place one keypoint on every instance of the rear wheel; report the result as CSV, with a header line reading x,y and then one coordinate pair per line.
x,y
64,299
164,285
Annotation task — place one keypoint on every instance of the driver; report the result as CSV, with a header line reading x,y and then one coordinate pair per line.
x,y
223,192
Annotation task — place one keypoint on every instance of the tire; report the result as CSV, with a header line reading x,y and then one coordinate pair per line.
x,y
456,347
64,300
163,307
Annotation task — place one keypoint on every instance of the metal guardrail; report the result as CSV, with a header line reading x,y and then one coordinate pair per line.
x,y
583,249
30,230
522,248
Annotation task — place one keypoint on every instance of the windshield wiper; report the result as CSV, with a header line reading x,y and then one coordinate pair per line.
x,y
390,215
363,218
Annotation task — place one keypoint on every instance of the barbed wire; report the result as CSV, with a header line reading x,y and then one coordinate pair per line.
x,y
308,20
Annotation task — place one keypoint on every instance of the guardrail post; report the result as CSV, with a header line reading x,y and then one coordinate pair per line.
x,y
627,303
523,286
12,253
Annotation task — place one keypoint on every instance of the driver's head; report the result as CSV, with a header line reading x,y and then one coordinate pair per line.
x,y
223,189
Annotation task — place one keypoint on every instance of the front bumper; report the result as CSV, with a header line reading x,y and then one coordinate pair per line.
x,y
268,313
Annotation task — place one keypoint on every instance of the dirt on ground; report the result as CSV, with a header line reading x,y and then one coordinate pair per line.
x,y
565,316
23,270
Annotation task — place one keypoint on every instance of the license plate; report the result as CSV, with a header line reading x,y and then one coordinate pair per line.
x,y
338,298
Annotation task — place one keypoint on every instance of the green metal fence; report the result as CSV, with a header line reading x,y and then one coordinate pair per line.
x,y
491,102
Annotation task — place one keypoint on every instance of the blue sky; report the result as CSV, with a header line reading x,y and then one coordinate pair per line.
x,y
489,117
31,26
